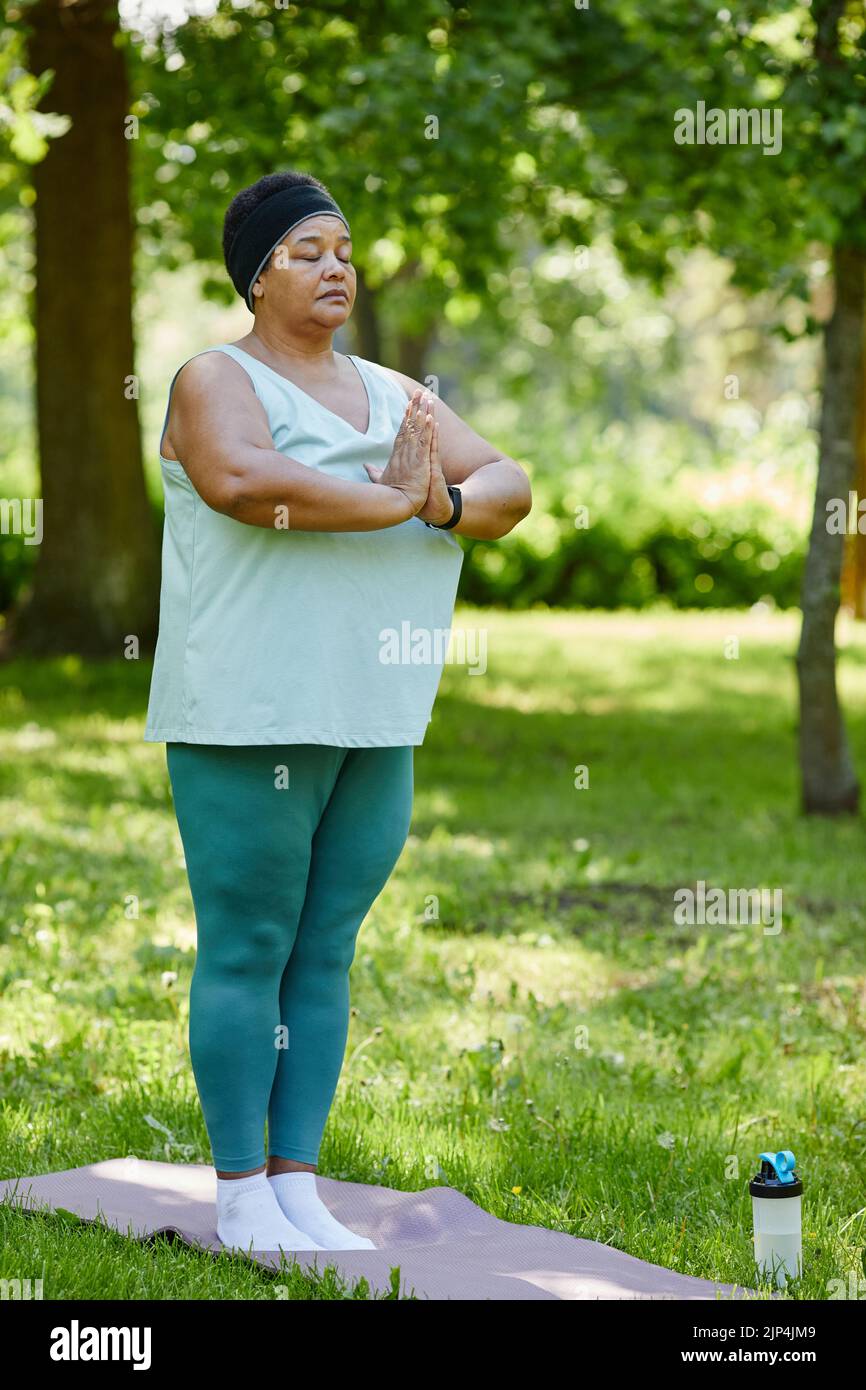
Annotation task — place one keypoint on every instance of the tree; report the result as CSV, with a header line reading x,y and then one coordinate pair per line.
x,y
763,212
97,574
426,131
353,98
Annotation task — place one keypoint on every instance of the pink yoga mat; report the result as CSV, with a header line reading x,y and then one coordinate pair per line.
x,y
445,1246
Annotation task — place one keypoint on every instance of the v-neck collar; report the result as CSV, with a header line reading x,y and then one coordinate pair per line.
x,y
362,434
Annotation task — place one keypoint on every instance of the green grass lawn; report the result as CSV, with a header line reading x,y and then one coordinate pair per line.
x,y
530,1025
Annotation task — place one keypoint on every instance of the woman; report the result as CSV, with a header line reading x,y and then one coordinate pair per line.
x,y
309,498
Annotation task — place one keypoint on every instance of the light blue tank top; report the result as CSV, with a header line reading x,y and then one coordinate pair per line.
x,y
281,636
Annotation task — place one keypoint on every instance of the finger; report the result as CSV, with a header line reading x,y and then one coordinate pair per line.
x,y
426,438
420,411
374,474
423,426
410,421
407,423
408,415
434,445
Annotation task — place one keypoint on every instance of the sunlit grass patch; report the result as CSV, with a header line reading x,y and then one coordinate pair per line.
x,y
527,1014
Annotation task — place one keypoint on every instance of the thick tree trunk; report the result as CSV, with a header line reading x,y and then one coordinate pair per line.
x,y
97,573
829,781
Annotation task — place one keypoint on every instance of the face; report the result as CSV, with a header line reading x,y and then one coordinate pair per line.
x,y
310,276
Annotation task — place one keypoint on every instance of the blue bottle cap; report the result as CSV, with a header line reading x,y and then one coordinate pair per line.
x,y
783,1163
777,1177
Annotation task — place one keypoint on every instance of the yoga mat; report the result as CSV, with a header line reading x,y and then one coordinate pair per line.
x,y
445,1245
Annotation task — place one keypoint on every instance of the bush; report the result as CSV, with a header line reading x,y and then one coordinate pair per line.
x,y
17,563
599,568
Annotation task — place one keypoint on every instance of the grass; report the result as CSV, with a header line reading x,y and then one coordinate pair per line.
x,y
530,1025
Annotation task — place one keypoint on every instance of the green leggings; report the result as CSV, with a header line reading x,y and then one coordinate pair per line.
x,y
287,846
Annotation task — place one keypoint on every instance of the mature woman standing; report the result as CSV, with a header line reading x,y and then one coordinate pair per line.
x,y
297,486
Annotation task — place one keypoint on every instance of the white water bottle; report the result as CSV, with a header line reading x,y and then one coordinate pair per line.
x,y
776,1193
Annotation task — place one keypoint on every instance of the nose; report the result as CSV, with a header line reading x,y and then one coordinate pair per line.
x,y
335,278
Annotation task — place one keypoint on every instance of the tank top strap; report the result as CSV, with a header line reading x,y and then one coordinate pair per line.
x,y
389,396
242,359
254,369
384,382
168,406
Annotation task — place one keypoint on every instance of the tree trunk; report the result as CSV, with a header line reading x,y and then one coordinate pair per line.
x,y
853,584
854,567
412,350
829,781
415,326
365,321
97,574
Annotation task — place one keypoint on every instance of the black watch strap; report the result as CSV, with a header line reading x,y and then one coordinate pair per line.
x,y
457,502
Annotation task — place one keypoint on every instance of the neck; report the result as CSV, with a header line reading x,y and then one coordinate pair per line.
x,y
314,348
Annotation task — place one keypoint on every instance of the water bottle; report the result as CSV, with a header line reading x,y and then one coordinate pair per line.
x,y
776,1193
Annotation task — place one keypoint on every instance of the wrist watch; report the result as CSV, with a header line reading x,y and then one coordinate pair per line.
x,y
457,502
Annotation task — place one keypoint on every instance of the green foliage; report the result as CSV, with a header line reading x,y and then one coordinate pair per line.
x,y
17,563
598,567
428,134
808,61
24,131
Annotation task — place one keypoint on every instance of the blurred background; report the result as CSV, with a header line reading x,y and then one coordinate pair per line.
x,y
502,249
669,336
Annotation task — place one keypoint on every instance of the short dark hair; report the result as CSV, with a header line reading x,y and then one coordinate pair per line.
x,y
243,203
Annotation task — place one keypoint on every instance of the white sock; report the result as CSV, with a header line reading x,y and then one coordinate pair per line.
x,y
299,1201
249,1215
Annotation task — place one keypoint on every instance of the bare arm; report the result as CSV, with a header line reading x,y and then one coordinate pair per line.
x,y
218,431
496,490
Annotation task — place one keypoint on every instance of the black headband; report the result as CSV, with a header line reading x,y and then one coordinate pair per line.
x,y
261,233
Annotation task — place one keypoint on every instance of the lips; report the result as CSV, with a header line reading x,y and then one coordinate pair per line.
x,y
335,294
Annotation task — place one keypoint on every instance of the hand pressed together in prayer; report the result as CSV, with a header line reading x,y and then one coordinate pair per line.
x,y
414,467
